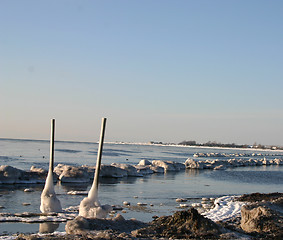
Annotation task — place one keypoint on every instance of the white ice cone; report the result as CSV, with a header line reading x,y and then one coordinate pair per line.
x,y
49,201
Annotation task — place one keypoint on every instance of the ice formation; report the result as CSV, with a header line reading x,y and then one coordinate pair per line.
x,y
49,201
90,206
225,208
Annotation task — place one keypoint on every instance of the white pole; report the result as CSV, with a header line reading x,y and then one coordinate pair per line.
x,y
51,163
99,153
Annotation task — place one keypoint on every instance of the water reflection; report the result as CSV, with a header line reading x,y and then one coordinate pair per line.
x,y
125,180
74,186
48,227
192,172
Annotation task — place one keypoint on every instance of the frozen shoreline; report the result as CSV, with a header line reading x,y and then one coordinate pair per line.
x,y
226,208
84,173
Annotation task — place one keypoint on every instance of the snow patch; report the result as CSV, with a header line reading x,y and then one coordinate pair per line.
x,y
225,208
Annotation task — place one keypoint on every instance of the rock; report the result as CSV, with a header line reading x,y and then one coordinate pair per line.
x,y
220,167
77,226
25,204
266,162
255,197
157,169
126,203
39,170
59,169
182,225
278,161
144,162
35,175
144,170
261,219
72,174
28,190
9,175
131,170
167,165
112,171
90,171
184,205
141,204
81,225
264,215
190,163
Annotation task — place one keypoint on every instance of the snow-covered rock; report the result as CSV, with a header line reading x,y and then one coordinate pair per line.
x,y
144,170
157,169
9,175
112,171
72,174
131,170
167,165
220,167
190,163
144,162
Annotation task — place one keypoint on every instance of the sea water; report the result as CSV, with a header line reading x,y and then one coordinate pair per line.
x,y
157,191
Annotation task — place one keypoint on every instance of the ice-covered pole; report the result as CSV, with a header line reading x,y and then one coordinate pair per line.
x,y
90,206
52,134
94,187
49,201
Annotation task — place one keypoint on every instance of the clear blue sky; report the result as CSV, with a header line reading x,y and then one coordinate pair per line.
x,y
157,69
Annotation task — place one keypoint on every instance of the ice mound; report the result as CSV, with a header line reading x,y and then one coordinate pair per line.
x,y
49,201
90,206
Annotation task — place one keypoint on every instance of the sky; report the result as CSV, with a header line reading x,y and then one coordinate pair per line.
x,y
158,70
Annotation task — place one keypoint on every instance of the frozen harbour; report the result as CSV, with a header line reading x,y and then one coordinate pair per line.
x,y
132,178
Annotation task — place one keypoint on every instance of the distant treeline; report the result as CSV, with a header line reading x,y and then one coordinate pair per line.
x,y
228,145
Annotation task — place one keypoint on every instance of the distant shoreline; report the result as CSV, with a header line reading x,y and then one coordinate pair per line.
x,y
189,146
148,144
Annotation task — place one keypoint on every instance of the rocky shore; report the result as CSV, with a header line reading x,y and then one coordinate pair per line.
x,y
84,174
261,218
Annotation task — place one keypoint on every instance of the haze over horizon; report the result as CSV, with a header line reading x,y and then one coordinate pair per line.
x,y
159,70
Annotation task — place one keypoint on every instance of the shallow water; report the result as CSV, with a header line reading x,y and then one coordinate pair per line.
x,y
160,190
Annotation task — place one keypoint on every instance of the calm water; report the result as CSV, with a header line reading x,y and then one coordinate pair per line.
x,y
161,190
